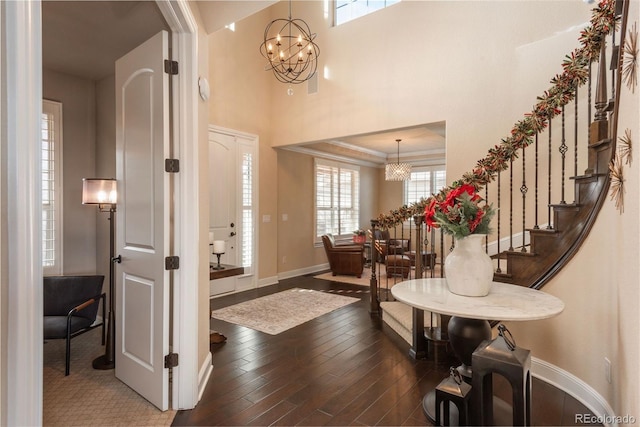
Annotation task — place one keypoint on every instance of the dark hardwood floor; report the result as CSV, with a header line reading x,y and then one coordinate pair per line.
x,y
343,368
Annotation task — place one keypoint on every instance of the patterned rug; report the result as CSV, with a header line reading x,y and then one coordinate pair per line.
x,y
89,396
284,310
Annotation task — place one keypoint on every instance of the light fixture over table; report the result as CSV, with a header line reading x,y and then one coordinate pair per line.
x,y
290,49
397,171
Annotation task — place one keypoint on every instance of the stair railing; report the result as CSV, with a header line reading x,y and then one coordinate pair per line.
x,y
556,128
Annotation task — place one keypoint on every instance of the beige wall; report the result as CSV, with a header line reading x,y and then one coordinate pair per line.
x,y
420,62
600,288
203,195
78,98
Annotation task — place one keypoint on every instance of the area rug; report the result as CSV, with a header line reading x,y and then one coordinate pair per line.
x,y
284,310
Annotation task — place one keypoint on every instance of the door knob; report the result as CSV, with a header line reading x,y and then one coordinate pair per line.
x,y
233,233
117,259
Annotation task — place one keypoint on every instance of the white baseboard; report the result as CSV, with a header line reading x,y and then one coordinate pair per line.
x,y
204,374
302,271
267,281
575,387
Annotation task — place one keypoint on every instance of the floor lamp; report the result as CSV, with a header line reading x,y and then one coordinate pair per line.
x,y
103,192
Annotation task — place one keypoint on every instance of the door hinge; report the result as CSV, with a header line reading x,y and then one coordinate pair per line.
x,y
171,165
172,263
171,360
170,67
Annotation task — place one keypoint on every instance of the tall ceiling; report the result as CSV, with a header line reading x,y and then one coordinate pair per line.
x,y
85,38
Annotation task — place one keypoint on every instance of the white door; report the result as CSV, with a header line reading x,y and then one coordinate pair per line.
x,y
142,237
222,203
232,204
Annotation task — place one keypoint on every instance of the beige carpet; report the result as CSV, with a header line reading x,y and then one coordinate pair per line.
x,y
88,396
381,275
281,311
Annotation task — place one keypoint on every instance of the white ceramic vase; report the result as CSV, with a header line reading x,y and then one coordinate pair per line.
x,y
468,268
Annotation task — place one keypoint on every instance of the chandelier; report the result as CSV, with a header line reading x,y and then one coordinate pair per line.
x,y
289,47
397,171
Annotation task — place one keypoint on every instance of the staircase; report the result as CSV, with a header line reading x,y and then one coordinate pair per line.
x,y
536,253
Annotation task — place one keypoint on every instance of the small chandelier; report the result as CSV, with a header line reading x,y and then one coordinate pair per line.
x,y
289,47
397,171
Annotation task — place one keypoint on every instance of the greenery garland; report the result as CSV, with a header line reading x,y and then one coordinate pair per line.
x,y
564,85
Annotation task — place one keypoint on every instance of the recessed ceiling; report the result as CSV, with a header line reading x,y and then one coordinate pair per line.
x,y
421,144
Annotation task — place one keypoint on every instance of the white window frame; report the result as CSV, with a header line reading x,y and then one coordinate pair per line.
x,y
364,8
433,188
247,205
52,266
354,202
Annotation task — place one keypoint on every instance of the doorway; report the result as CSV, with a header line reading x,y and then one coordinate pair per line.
x,y
233,190
22,72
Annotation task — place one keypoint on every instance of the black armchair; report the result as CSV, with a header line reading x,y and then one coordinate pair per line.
x,y
71,308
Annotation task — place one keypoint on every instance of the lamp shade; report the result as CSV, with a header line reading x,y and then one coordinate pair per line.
x,y
97,191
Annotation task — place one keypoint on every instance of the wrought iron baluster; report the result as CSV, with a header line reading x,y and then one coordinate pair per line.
x,y
511,205
563,152
549,226
536,226
523,190
432,263
575,140
498,269
442,272
486,198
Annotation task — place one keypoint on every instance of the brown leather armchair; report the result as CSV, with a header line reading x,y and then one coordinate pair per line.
x,y
344,259
385,245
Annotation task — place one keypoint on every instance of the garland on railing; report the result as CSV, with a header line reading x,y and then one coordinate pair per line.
x,y
575,73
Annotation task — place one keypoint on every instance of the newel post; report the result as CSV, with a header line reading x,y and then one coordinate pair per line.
x,y
373,283
418,220
599,128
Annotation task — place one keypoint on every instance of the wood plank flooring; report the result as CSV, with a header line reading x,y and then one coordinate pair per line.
x,y
343,368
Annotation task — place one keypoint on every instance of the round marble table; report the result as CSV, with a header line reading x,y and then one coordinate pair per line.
x,y
469,324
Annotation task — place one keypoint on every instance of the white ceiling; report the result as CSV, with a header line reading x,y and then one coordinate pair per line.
x,y
421,144
85,38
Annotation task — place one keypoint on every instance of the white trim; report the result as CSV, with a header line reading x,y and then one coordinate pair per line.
x,y
574,386
57,112
302,271
22,79
205,373
268,281
184,39
246,143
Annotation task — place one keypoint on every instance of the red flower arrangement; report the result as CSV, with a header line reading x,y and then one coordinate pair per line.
x,y
460,213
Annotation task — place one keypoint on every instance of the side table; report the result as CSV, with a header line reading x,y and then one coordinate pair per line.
x,y
469,324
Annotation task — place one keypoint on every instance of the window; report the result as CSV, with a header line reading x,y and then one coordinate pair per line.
x,y
337,189
424,182
348,10
246,251
51,187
